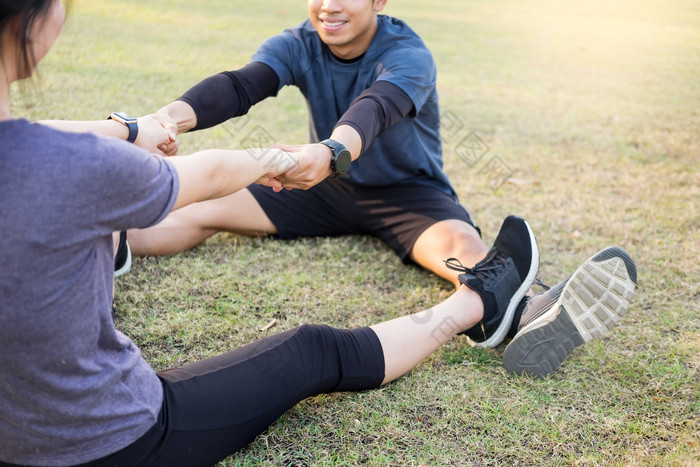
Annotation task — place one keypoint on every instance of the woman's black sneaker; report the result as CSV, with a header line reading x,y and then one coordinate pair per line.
x,y
122,260
577,310
501,279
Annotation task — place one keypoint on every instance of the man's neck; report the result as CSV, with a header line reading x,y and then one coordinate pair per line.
x,y
350,60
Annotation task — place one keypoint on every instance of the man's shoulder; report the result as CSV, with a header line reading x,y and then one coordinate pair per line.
x,y
303,33
298,41
395,25
391,28
395,36
397,46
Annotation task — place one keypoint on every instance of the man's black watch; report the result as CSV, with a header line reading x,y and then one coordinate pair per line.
x,y
131,123
341,158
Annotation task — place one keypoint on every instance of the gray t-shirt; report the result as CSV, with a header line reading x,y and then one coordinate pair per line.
x,y
72,388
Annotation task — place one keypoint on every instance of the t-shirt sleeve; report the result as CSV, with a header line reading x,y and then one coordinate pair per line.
x,y
411,69
128,187
376,110
281,53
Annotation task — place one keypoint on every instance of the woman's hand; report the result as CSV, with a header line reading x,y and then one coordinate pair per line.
x,y
153,136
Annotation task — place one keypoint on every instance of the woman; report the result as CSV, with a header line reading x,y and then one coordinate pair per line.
x,y
73,389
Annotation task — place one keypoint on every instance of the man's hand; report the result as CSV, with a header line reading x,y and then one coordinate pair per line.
x,y
152,136
276,162
314,166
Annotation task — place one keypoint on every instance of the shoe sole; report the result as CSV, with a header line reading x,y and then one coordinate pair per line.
x,y
126,267
500,333
592,302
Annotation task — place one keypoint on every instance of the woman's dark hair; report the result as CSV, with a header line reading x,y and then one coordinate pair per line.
x,y
28,11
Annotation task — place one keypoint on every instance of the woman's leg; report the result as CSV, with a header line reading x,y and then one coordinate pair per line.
x,y
215,407
408,340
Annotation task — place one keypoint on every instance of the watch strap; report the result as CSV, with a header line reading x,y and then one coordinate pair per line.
x,y
336,148
131,123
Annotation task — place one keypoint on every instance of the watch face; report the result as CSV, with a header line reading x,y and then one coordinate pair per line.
x,y
124,117
342,162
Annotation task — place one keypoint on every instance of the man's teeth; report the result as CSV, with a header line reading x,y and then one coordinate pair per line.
x,y
337,23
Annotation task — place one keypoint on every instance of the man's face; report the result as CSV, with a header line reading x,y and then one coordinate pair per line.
x,y
346,26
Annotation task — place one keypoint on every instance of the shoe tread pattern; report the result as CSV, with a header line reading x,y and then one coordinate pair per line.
x,y
541,351
598,296
592,302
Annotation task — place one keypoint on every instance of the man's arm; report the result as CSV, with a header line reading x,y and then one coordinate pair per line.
x,y
217,99
374,111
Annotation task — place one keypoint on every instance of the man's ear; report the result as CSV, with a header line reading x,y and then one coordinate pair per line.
x,y
379,5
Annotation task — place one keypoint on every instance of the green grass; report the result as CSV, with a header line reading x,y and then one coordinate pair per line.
x,y
595,104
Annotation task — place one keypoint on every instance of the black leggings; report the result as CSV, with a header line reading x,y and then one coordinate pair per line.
x,y
214,407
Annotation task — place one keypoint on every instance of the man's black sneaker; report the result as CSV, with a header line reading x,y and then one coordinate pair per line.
x,y
122,260
501,279
575,311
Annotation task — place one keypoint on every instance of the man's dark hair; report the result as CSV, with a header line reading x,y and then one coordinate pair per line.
x,y
28,11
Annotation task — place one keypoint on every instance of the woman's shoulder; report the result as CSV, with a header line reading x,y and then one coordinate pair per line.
x,y
32,136
27,133
40,147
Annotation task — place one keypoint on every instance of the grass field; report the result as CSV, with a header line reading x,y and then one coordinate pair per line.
x,y
592,107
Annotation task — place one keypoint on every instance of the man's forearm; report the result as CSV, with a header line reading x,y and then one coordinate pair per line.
x,y
350,138
228,94
180,114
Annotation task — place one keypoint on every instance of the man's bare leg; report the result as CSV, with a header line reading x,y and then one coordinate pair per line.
x,y
188,227
448,239
240,213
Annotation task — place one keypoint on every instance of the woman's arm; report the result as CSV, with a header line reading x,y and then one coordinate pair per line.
x,y
151,133
216,173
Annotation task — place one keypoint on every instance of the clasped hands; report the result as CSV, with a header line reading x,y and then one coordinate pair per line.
x,y
311,168
314,166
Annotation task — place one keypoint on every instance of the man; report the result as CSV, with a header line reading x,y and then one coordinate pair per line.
x,y
374,164
370,84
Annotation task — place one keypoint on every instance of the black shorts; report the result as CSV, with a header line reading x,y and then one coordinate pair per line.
x,y
397,214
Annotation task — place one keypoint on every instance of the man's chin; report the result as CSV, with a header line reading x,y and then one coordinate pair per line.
x,y
334,41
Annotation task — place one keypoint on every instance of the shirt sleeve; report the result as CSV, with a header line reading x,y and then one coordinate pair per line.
x,y
230,94
413,71
285,54
130,188
376,110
